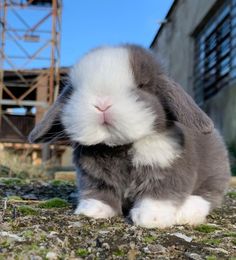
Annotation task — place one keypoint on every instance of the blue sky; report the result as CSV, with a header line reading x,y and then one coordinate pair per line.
x,y
89,23
85,24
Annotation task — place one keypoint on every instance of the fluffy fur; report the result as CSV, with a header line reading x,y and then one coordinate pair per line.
x,y
94,208
142,147
156,150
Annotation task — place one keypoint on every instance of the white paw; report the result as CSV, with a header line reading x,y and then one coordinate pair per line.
x,y
193,211
152,213
95,209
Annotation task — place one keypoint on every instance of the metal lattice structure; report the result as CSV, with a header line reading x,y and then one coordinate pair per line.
x,y
29,64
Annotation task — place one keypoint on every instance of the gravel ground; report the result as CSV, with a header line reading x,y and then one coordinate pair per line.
x,y
32,229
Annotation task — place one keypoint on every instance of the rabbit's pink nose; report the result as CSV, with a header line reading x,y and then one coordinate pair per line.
x,y
103,105
103,108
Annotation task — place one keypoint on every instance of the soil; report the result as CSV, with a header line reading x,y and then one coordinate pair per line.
x,y
29,230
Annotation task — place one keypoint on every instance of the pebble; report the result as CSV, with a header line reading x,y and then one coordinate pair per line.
x,y
75,224
183,236
51,256
157,249
14,237
218,250
193,256
106,246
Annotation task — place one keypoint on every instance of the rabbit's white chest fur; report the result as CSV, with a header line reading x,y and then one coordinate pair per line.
x,y
156,150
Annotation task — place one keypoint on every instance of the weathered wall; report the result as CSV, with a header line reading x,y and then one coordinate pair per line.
x,y
175,47
222,109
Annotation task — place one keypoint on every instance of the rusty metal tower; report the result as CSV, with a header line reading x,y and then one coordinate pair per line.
x,y
29,64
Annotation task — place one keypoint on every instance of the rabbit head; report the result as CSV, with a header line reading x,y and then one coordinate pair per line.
x,y
118,95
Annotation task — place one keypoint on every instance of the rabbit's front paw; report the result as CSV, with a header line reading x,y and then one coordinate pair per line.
x,y
95,209
193,211
152,213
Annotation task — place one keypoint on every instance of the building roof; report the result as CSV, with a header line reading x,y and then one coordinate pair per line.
x,y
167,18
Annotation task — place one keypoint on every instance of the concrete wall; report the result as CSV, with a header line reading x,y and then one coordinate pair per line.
x,y
175,47
222,109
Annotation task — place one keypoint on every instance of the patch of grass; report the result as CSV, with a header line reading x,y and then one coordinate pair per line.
x,y
119,252
230,234
12,181
28,233
234,242
232,194
27,210
204,228
10,198
211,257
82,252
149,239
212,241
57,183
53,203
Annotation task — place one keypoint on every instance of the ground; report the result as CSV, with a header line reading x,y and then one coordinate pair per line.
x,y
33,227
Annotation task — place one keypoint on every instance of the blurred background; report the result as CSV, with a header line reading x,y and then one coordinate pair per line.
x,y
40,40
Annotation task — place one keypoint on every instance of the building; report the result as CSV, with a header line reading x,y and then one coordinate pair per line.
x,y
197,44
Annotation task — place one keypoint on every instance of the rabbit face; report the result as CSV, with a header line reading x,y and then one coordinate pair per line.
x,y
118,95
105,106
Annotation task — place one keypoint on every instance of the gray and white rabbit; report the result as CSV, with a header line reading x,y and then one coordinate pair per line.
x,y
142,147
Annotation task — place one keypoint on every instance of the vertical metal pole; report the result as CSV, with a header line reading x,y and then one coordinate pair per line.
x,y
3,29
53,42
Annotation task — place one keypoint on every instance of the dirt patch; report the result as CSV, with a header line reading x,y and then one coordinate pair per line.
x,y
28,231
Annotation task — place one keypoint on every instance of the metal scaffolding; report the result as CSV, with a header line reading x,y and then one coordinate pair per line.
x,y
29,63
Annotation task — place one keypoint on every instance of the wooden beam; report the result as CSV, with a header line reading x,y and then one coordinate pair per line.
x,y
24,103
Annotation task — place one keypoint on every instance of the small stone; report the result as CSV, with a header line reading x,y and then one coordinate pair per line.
x,y
13,237
218,250
51,256
146,250
75,224
106,246
52,234
30,197
182,236
103,232
157,249
193,256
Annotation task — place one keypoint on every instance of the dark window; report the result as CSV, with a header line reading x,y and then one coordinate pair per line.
x,y
215,53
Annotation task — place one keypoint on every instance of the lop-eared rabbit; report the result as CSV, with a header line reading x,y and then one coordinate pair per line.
x,y
141,146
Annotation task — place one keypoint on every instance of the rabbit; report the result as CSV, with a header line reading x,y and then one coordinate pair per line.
x,y
142,147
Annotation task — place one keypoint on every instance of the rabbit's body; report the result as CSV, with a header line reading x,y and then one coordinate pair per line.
x,y
142,147
108,174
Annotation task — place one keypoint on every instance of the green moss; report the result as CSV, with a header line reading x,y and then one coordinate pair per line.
x,y
230,234
212,241
119,252
28,233
57,183
212,257
12,181
82,252
149,239
204,228
232,194
54,203
14,198
27,210
234,242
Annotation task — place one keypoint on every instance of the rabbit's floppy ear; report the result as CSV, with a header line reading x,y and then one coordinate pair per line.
x,y
50,127
182,107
